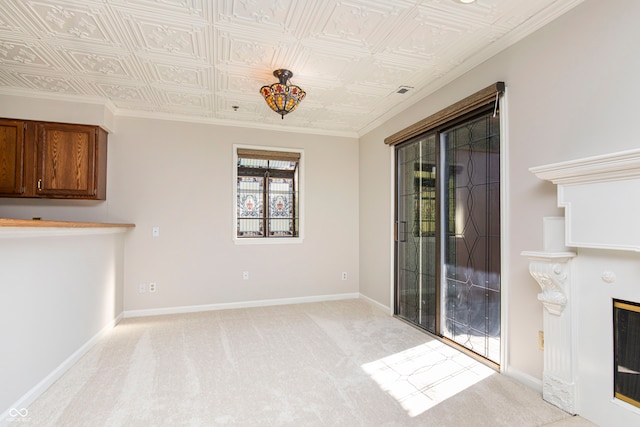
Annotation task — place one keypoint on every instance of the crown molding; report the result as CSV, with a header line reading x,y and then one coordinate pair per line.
x,y
602,168
108,105
232,123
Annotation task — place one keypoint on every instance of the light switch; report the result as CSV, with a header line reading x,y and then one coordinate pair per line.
x,y
155,231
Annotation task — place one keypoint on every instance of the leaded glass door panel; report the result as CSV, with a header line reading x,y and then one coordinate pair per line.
x,y
471,248
416,214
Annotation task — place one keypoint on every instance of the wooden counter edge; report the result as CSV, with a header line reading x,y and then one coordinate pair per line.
x,y
7,222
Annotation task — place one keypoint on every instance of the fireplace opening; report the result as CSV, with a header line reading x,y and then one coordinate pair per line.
x,y
626,344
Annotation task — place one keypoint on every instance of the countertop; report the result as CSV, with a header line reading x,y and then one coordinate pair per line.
x,y
8,222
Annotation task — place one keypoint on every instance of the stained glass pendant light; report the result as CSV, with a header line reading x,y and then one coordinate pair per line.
x,y
282,97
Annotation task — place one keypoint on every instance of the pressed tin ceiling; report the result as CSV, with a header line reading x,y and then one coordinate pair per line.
x,y
198,59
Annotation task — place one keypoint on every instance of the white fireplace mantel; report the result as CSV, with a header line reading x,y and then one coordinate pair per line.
x,y
590,257
600,197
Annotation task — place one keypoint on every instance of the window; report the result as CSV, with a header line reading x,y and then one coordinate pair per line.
x,y
267,193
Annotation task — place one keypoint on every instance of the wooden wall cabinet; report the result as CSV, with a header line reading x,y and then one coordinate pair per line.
x,y
11,157
52,160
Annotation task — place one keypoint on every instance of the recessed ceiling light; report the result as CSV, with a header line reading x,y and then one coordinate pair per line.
x,y
465,1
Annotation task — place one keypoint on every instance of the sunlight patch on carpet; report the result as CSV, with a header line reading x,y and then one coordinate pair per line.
x,y
421,377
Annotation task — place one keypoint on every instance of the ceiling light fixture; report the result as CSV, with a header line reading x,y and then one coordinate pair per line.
x,y
282,97
465,1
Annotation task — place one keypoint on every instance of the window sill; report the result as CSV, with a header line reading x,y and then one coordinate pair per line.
x,y
267,240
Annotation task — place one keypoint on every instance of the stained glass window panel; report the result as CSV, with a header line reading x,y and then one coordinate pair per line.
x,y
250,207
281,207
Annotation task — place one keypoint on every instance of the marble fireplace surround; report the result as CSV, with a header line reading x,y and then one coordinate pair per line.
x,y
589,257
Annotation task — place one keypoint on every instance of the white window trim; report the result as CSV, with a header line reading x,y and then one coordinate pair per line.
x,y
268,240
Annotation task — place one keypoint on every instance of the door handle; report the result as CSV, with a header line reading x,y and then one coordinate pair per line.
x,y
400,231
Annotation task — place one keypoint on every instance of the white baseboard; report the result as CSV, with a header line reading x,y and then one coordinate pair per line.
x,y
525,379
383,307
16,411
242,304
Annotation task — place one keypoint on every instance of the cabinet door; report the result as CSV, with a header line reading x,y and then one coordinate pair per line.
x,y
11,157
66,160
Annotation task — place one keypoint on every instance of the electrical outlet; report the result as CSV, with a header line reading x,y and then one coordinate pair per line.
x,y
152,287
155,231
142,288
344,275
541,340
245,275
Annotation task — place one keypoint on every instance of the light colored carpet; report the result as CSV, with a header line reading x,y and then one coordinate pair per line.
x,y
339,363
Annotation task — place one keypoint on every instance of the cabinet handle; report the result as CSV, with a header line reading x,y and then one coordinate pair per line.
x,y
40,184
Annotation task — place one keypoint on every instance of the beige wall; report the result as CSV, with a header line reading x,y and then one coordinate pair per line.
x,y
178,176
572,91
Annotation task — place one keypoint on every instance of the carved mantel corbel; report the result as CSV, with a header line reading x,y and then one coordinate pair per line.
x,y
551,271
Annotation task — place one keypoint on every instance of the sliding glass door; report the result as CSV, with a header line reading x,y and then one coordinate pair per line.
x,y
416,250
448,233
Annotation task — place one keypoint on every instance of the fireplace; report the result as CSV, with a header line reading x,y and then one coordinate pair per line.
x,y
626,351
588,271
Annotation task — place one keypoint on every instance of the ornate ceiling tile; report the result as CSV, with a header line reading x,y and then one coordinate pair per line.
x,y
12,52
246,49
10,20
118,92
248,107
199,58
185,99
49,83
172,38
352,101
179,8
164,38
100,64
135,108
5,23
329,67
278,16
356,23
70,20
420,40
336,120
6,79
180,76
239,84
